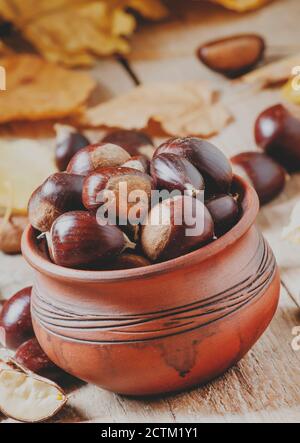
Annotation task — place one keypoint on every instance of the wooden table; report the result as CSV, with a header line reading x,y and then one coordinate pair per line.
x,y
265,386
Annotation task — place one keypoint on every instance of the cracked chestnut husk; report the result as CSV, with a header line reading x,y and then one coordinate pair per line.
x,y
15,320
225,213
233,56
68,142
77,240
60,193
173,173
134,142
277,132
100,155
266,176
210,161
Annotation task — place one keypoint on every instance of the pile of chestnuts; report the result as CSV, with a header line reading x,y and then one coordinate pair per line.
x,y
63,210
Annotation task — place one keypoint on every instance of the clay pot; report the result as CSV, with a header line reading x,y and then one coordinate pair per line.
x,y
163,328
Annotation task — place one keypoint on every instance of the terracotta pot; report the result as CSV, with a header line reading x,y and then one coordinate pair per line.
x,y
163,328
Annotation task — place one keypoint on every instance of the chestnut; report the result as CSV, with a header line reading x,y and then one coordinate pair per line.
x,y
266,176
134,142
76,240
207,158
277,132
60,193
15,320
96,156
172,172
31,356
234,55
68,142
171,228
225,213
110,179
128,261
138,162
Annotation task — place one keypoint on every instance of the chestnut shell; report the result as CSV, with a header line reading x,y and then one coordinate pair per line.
x,y
234,55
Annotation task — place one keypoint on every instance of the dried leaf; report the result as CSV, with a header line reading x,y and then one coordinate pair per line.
x,y
242,5
182,109
273,73
74,32
39,90
29,398
24,165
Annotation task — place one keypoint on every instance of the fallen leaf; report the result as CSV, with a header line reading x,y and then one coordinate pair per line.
x,y
39,90
73,32
24,165
273,73
182,109
242,5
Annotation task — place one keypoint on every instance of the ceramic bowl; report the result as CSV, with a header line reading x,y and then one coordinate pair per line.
x,y
162,328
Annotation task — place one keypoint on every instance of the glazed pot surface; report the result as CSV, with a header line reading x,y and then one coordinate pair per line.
x,y
162,328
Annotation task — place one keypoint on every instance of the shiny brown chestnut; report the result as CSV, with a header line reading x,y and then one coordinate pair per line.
x,y
225,213
175,227
100,155
60,193
31,356
207,158
112,180
277,132
234,55
15,320
266,176
171,172
77,240
138,162
134,142
68,142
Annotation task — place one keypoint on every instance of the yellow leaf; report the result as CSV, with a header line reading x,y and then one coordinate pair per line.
x,y
74,32
39,90
24,165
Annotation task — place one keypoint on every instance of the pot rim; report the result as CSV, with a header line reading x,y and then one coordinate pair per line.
x,y
250,204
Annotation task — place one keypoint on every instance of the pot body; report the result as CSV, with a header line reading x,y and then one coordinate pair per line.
x,y
166,332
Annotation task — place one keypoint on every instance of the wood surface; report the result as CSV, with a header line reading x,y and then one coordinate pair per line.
x,y
265,386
